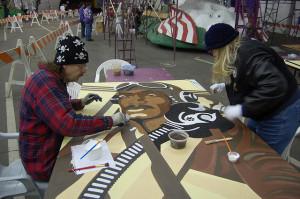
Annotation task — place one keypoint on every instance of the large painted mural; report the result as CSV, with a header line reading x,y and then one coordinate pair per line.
x,y
146,165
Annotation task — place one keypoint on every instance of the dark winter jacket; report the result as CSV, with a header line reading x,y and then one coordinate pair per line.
x,y
262,84
81,14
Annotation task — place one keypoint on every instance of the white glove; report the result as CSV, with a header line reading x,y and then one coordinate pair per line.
x,y
233,112
119,119
89,98
217,88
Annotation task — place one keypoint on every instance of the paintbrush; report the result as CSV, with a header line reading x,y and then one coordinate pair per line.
x,y
90,149
217,140
90,167
227,145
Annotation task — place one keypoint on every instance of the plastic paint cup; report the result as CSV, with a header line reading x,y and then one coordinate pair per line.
x,y
128,69
292,56
117,71
96,152
178,139
233,157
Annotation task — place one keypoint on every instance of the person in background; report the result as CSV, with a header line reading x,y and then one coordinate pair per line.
x,y
62,8
259,85
47,113
67,6
25,5
81,17
88,19
137,19
5,9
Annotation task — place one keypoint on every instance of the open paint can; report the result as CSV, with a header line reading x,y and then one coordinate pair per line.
x,y
178,139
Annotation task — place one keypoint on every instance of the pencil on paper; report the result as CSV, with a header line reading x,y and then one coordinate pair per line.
x,y
217,140
90,149
90,167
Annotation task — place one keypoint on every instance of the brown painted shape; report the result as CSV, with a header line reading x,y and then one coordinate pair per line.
x,y
259,166
163,174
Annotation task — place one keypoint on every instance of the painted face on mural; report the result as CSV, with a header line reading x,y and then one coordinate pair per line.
x,y
152,105
144,104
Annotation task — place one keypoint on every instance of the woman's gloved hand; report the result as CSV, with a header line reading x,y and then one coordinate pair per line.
x,y
89,98
233,112
119,119
217,88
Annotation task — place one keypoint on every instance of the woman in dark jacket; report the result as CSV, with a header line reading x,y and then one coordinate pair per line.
x,y
258,84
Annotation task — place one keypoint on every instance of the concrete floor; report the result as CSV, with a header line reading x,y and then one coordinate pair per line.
x,y
185,66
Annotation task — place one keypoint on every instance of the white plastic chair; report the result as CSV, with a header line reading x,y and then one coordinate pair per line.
x,y
73,89
286,153
109,64
70,13
20,19
13,178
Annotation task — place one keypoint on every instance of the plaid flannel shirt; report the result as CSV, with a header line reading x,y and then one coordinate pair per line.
x,y
46,116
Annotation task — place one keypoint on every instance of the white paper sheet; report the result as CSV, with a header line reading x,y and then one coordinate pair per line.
x,y
78,152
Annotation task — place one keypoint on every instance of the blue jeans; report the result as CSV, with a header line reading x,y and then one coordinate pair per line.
x,y
82,29
278,131
88,27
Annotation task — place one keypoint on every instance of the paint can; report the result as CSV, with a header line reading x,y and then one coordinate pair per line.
x,y
178,139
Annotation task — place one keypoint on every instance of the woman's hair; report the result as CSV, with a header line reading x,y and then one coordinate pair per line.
x,y
53,67
224,61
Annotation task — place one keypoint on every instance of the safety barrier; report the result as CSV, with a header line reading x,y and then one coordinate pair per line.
x,y
15,20
10,19
15,23
48,15
22,54
284,25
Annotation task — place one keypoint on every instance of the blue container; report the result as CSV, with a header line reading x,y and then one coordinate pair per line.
x,y
128,69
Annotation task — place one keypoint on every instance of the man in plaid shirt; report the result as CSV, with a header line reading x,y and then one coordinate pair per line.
x,y
47,114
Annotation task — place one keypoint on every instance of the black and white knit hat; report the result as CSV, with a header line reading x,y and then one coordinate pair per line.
x,y
71,51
